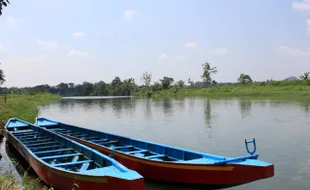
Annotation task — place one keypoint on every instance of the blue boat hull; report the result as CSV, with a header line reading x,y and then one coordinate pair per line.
x,y
60,162
167,164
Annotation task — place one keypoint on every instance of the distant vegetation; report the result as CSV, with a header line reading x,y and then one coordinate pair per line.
x,y
167,85
1,76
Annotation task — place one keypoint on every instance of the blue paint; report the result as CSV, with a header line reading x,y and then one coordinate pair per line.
x,y
231,160
60,153
254,146
149,150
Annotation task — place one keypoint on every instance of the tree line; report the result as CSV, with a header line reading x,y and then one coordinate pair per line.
x,y
116,87
127,87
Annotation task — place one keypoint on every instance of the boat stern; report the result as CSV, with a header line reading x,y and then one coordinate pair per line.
x,y
256,169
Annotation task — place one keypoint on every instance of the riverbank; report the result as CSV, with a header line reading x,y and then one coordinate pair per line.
x,y
235,91
24,107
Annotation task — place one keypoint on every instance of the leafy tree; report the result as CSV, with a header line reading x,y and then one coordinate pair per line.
x,y
62,88
116,82
71,85
157,86
3,3
207,72
190,83
42,88
305,76
146,79
87,88
166,82
117,86
244,78
180,84
78,90
2,79
128,86
214,83
101,89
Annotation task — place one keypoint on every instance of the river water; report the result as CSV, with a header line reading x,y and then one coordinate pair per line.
x,y
217,126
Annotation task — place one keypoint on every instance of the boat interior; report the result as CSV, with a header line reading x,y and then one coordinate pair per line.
x,y
55,150
146,150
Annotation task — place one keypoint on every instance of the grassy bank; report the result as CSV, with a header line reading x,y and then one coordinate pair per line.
x,y
24,107
252,90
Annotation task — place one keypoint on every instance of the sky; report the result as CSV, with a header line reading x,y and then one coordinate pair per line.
x,y
48,42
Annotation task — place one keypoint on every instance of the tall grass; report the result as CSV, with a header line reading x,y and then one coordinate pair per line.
x,y
8,180
23,107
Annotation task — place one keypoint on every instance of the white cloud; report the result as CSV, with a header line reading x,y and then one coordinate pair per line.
x,y
181,57
303,5
191,45
128,15
222,51
295,52
77,53
12,21
3,50
47,44
78,34
162,56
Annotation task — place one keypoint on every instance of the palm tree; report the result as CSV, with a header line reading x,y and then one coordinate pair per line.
x,y
207,71
1,76
244,78
3,3
305,76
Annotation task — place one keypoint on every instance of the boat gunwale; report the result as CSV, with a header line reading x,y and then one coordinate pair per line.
x,y
167,164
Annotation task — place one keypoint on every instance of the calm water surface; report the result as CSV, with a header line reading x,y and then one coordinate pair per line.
x,y
216,126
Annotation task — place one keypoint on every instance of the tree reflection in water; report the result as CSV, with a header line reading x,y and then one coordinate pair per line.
x,y
148,108
117,106
305,105
208,116
167,107
245,107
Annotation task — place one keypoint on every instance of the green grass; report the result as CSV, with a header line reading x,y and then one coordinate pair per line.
x,y
23,107
251,90
8,180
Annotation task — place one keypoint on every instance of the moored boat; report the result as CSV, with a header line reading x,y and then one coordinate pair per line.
x,y
64,164
168,164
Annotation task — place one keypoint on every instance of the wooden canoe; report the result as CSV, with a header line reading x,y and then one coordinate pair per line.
x,y
168,164
63,163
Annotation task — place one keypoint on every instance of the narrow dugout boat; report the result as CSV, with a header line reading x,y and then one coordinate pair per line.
x,y
63,163
168,164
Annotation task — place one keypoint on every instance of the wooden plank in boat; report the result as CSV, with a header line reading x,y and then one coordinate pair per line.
x,y
61,156
72,163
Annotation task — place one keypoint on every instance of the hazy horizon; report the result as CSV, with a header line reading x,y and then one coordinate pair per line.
x,y
48,42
